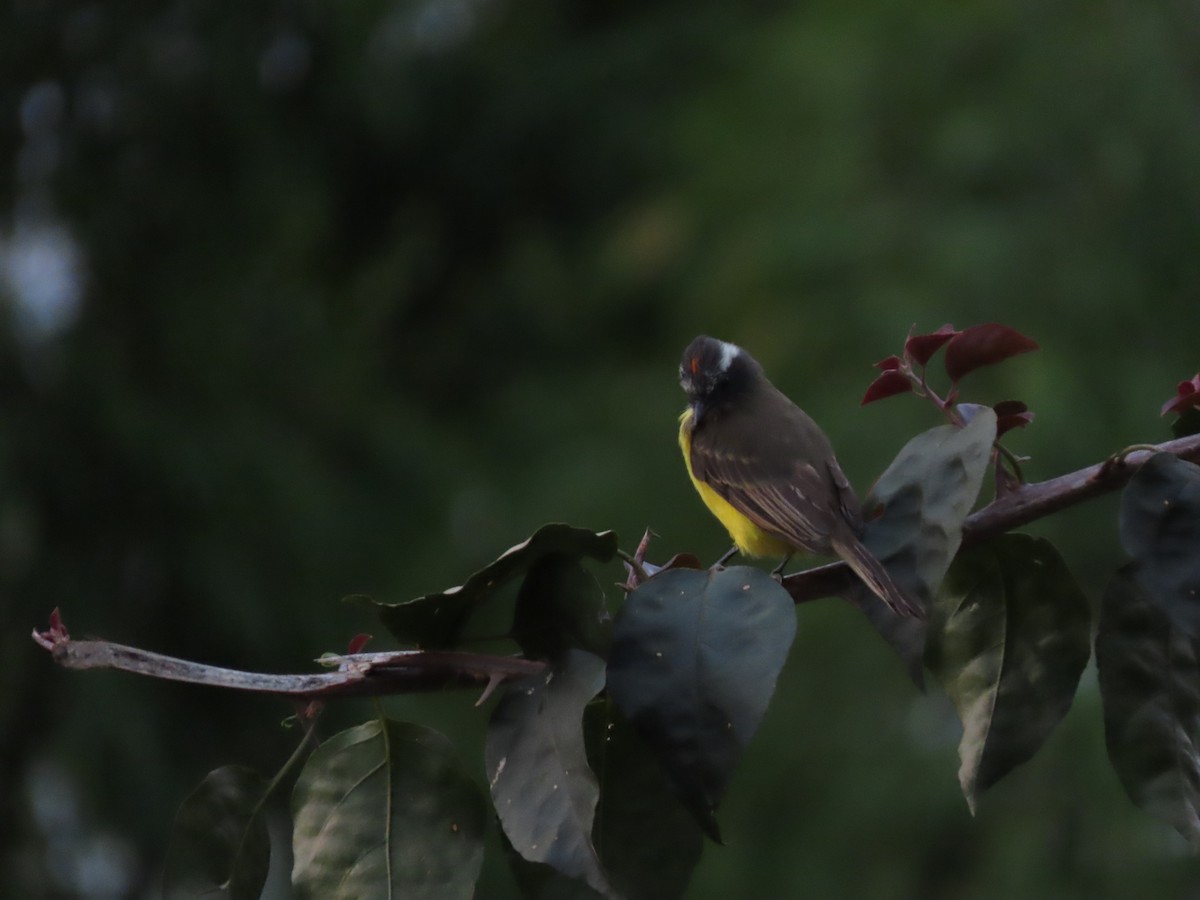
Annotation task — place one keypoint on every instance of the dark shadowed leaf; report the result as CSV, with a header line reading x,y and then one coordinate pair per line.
x,y
1009,637
437,620
219,846
923,496
1160,529
1150,685
543,790
560,605
648,841
921,347
694,660
983,345
385,810
891,364
888,384
1188,423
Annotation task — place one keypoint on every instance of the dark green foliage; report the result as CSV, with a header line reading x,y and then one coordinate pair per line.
x,y
693,665
219,847
437,620
1009,637
1150,682
385,810
543,790
915,513
560,605
1160,529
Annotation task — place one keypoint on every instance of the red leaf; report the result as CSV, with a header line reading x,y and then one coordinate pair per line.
x,y
888,384
921,347
1009,408
1016,420
1187,394
983,345
357,643
891,364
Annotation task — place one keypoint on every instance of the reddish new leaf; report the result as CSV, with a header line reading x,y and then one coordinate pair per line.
x,y
888,384
357,643
892,363
984,345
1011,414
1187,395
921,347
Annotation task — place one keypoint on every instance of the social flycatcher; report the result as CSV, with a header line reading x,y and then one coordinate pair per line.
x,y
766,470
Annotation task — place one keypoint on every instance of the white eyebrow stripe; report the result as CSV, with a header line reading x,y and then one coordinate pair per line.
x,y
728,352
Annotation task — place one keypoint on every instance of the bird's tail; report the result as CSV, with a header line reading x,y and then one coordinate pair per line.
x,y
875,576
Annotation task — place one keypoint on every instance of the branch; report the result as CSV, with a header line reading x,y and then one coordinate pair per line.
x,y
1018,506
357,675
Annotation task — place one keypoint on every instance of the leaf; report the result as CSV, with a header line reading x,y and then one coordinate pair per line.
x,y
889,383
694,660
1011,414
1187,396
1150,686
1187,424
385,810
560,606
923,498
219,845
648,841
437,620
1009,637
1160,529
921,347
983,345
543,790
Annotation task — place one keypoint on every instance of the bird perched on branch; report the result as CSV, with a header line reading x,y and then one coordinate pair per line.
x,y
765,469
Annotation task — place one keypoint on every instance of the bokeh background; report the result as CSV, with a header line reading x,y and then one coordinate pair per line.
x,y
302,300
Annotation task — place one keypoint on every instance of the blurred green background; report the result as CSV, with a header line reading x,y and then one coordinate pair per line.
x,y
300,300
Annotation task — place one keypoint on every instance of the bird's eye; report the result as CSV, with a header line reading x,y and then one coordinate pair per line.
x,y
695,365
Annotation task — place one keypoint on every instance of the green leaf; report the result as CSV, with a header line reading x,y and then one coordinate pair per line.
x,y
923,498
648,841
219,846
560,606
1150,685
385,810
694,660
1160,529
1008,639
543,790
437,620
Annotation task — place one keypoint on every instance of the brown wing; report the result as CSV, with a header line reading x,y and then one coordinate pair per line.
x,y
786,482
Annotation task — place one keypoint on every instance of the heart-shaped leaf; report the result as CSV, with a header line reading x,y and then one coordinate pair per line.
x,y
694,660
921,501
219,846
888,383
385,810
1008,639
437,620
1150,684
543,790
1160,529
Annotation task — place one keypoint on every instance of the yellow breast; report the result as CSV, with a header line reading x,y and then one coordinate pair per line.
x,y
750,539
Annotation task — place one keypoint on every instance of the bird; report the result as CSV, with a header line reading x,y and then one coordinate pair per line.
x,y
767,471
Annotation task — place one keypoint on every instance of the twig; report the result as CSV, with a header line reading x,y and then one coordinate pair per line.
x,y
358,675
1019,506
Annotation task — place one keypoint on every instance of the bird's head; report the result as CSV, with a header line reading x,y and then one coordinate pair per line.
x,y
713,369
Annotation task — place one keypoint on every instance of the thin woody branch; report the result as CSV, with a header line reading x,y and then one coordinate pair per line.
x,y
1019,506
357,675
